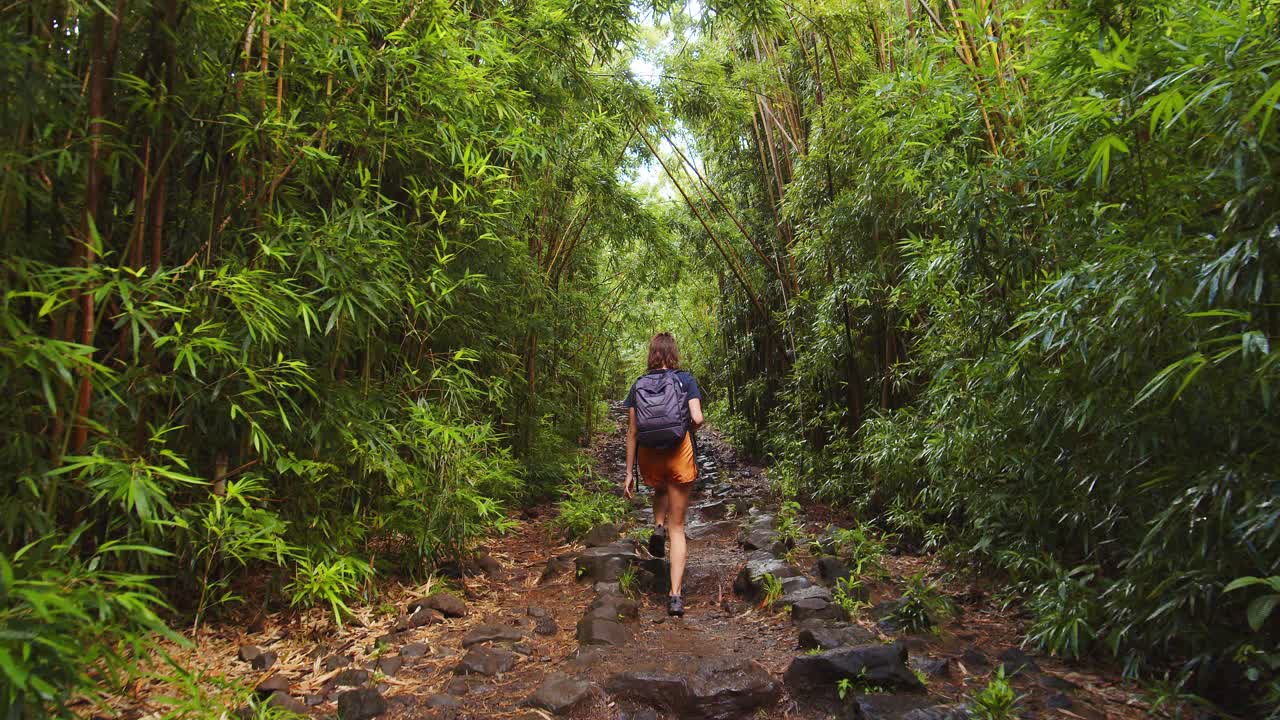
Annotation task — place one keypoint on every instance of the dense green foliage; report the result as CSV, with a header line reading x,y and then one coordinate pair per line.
x,y
306,293
1003,275
291,290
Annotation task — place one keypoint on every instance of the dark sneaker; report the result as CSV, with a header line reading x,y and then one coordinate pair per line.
x,y
675,606
658,542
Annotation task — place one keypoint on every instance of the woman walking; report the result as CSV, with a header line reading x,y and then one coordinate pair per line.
x,y
664,409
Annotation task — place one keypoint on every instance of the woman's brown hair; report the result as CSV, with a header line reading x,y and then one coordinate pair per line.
x,y
663,352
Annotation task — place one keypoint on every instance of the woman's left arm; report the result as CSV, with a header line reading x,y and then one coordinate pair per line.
x,y
695,413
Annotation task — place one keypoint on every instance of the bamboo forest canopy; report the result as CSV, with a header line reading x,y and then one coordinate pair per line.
x,y
323,291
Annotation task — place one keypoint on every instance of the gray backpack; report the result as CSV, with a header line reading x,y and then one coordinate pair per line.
x,y
662,410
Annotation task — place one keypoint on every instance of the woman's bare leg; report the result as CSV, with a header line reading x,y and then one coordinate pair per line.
x,y
677,502
659,505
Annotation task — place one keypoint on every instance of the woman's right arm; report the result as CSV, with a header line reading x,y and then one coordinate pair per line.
x,y
631,453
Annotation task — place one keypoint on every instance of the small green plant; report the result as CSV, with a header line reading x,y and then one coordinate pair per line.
x,y
585,507
1261,666
629,581
331,581
792,556
814,651
642,535
843,687
227,533
861,546
1066,609
1168,697
924,679
996,701
790,528
772,587
1261,607
922,605
848,595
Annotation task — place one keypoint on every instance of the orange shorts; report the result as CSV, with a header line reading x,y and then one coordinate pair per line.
x,y
658,468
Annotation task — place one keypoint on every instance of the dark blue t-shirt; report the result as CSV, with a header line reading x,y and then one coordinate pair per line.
x,y
691,389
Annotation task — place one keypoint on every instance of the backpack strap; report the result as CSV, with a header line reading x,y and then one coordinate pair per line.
x,y
668,370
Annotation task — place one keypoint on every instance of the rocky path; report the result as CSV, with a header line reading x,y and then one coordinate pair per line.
x,y
539,629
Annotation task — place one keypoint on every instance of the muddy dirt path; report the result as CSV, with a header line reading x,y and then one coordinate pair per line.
x,y
538,628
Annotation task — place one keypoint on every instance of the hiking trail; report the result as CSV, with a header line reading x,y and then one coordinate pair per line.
x,y
542,629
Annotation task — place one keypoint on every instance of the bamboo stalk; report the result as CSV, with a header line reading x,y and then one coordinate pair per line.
x,y
746,286
280,71
101,64
728,210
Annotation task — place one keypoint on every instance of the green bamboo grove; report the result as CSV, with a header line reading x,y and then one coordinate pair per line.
x,y
321,292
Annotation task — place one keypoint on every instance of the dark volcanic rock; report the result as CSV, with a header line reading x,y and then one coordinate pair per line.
x,y
351,677
272,684
424,616
486,661
586,658
601,535
757,538
491,633
457,686
414,650
285,701
264,660
390,665
931,667
883,665
830,569
759,534
719,688
886,613
613,607
559,693
606,563
805,592
602,631
698,531
556,567
534,611
333,662
448,604
1016,662
655,575
249,653
545,625
796,584
828,636
714,510
749,582
939,712
974,657
361,704
488,564
815,607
